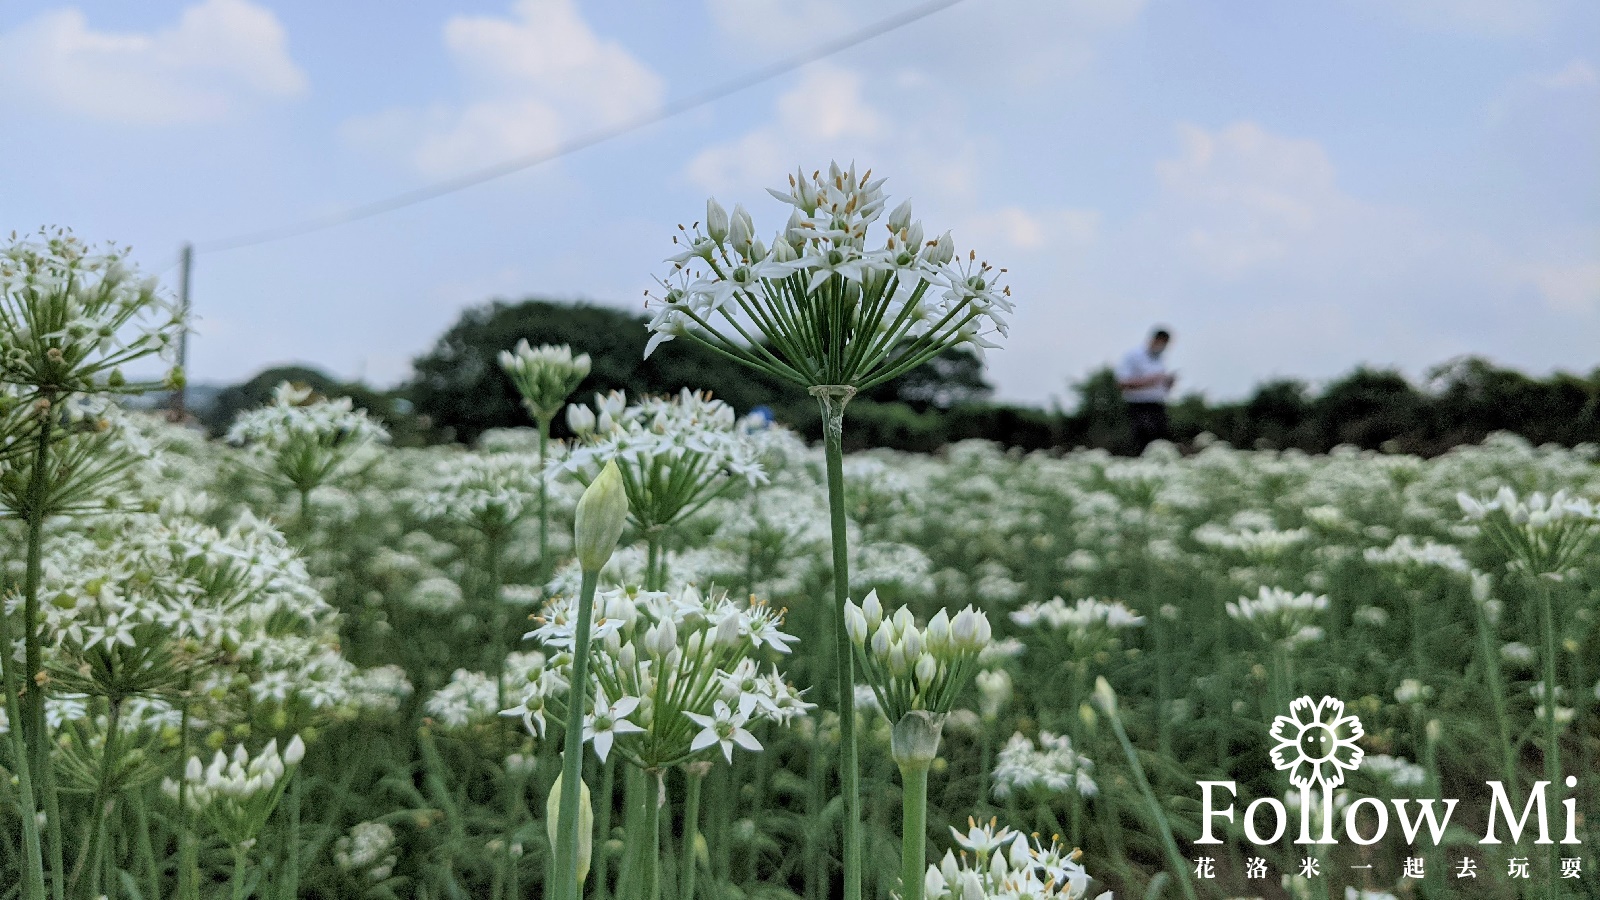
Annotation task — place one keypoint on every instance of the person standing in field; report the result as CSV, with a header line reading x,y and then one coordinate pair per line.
x,y
1145,384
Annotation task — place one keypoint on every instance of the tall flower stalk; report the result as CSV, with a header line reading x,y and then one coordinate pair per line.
x,y
602,512
820,309
545,376
71,317
1543,538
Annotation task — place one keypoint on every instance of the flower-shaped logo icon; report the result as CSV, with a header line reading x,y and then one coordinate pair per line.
x,y
1316,743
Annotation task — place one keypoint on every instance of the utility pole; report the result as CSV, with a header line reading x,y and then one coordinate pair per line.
x,y
185,270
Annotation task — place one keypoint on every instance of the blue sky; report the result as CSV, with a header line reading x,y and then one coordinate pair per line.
x,y
1294,188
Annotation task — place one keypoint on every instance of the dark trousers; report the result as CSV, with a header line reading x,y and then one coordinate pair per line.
x,y
1149,421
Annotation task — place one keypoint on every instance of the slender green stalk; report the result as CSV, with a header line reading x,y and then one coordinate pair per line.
x,y
650,882
566,859
1497,697
693,775
545,568
849,762
602,828
1552,750
291,874
188,853
33,867
240,864
1108,703
34,728
93,846
913,829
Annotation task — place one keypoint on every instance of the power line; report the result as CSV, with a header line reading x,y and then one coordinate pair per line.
x,y
581,142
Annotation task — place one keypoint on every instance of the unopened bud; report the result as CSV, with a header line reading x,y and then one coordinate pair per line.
x,y
602,511
585,825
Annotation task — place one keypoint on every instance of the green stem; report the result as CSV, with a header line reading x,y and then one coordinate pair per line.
x,y
188,853
694,774
1497,699
602,828
33,725
291,875
1552,750
545,569
89,856
566,860
239,865
651,882
913,829
1170,846
33,869
849,763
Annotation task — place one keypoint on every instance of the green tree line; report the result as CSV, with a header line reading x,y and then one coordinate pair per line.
x,y
458,391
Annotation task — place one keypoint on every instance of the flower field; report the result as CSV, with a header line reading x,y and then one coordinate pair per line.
x,y
687,655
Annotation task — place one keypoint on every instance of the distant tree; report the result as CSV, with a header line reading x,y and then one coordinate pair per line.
x,y
459,384
1367,408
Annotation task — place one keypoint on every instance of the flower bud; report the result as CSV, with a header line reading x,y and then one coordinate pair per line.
x,y
580,419
872,609
602,511
716,220
552,809
741,229
901,217
938,632
728,631
855,624
927,670
295,752
662,639
915,738
1104,695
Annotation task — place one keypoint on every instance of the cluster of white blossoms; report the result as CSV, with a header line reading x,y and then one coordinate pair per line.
x,y
1086,624
676,454
916,288
368,848
1281,617
1001,864
545,376
487,492
473,698
1050,765
671,674
236,794
1397,771
1408,551
912,668
305,440
72,314
1265,542
145,600
1539,534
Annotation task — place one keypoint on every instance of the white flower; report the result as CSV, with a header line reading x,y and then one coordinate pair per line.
x,y
606,721
725,727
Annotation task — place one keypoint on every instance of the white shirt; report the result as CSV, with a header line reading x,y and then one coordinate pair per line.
x,y
1138,363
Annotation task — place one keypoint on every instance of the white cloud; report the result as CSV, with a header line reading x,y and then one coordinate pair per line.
x,y
218,54
824,116
1016,228
530,80
1250,196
